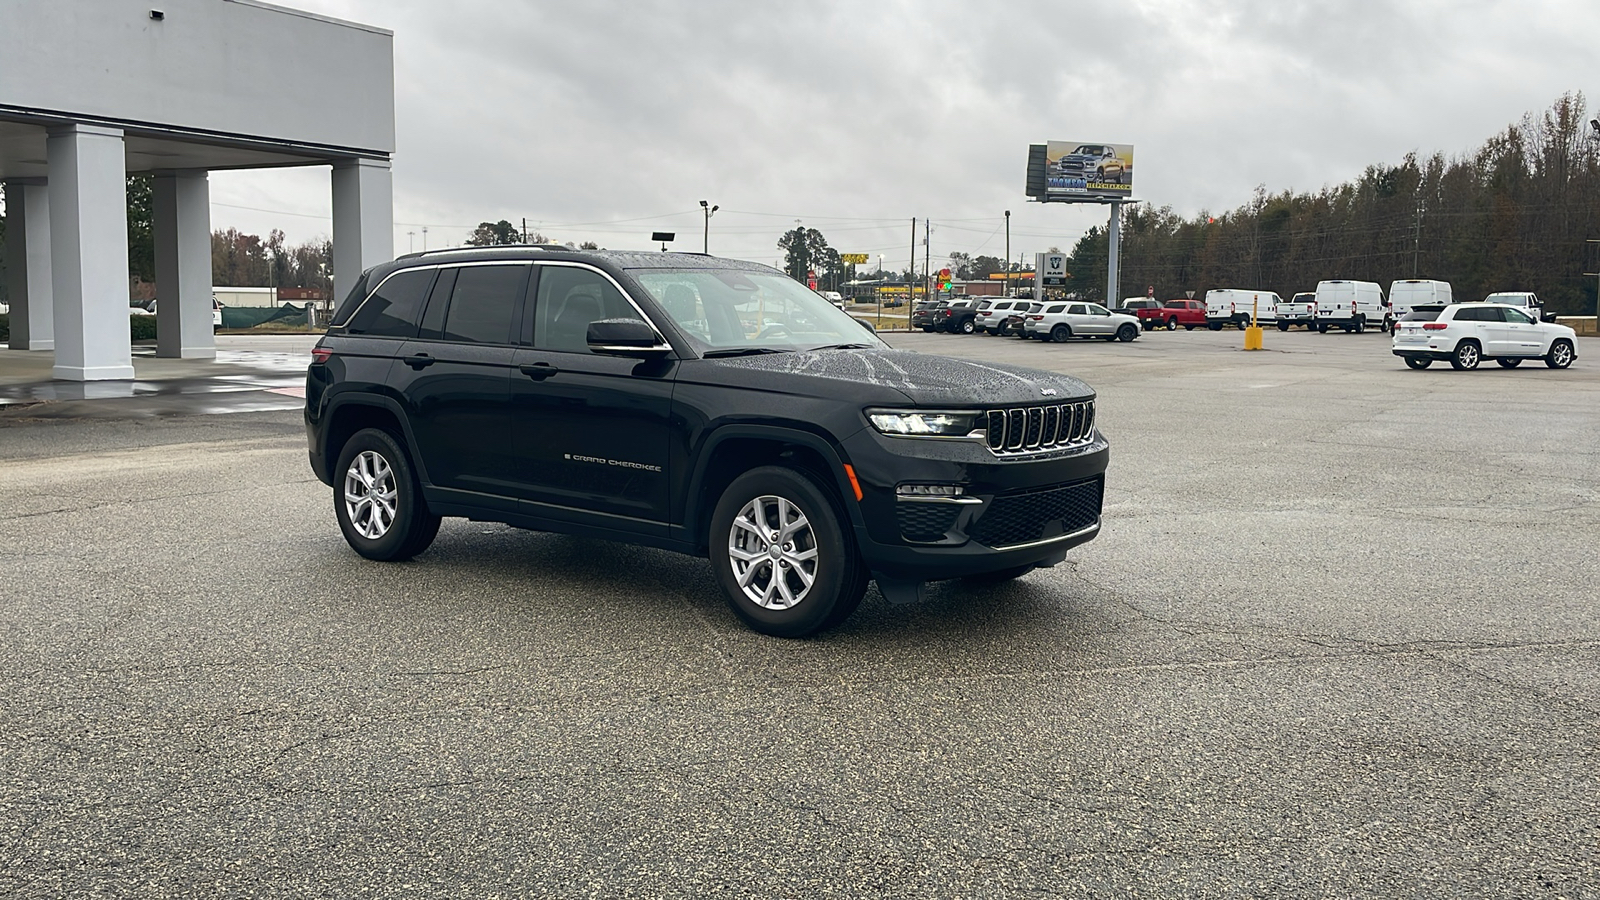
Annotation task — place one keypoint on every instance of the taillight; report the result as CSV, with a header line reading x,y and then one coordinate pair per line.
x,y
1435,326
320,355
1037,318
949,312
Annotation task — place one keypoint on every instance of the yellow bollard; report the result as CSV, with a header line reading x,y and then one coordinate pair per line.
x,y
1252,334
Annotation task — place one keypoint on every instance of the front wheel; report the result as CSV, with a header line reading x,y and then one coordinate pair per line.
x,y
1560,355
378,499
1418,362
1060,334
786,565
1127,333
1467,356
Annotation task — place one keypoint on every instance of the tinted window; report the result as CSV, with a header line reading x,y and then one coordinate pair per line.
x,y
1055,309
1518,316
570,298
1424,314
484,303
433,317
1077,309
393,308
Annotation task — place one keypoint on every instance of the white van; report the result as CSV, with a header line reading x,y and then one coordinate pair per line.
x,y
1350,305
1528,301
1230,306
1411,293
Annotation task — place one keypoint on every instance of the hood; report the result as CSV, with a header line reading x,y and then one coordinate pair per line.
x,y
897,376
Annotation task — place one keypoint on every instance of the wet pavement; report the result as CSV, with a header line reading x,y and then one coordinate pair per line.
x,y
255,373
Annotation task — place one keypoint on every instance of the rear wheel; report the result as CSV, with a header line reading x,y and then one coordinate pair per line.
x,y
1060,333
1467,356
1509,363
787,566
1127,333
1322,327
1418,362
1283,326
1172,324
1560,355
378,499
1215,326
966,326
1360,325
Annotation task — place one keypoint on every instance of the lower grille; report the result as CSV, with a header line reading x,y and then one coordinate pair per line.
x,y
1022,517
925,523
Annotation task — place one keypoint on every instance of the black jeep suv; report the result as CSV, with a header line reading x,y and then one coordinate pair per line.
x,y
703,405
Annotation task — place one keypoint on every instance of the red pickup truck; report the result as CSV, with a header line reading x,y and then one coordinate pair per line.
x,y
1173,313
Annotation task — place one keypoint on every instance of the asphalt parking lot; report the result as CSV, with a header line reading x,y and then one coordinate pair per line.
x,y
1339,637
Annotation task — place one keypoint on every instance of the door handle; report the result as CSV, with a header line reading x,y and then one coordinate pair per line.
x,y
420,361
539,371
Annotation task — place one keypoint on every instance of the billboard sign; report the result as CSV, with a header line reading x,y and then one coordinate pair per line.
x,y
1081,171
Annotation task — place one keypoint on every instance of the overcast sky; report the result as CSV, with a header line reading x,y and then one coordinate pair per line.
x,y
605,121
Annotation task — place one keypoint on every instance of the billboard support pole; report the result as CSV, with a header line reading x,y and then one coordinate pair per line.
x,y
1113,238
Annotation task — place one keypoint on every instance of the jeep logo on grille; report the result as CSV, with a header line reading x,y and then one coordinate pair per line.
x,y
1048,392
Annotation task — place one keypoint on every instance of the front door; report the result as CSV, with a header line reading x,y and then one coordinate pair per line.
x,y
1098,320
591,429
1522,334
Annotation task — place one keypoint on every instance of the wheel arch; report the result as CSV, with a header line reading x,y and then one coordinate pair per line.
x,y
732,450
348,414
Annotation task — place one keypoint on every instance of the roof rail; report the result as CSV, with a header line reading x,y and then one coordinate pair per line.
x,y
487,247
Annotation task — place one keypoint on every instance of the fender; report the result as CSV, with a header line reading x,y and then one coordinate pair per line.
x,y
693,514
346,398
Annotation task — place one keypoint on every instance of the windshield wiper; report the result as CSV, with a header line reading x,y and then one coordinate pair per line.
x,y
744,351
845,347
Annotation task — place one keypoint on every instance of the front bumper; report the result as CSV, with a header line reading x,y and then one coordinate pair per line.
x,y
1012,512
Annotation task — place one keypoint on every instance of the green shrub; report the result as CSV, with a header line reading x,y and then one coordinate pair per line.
x,y
142,328
5,327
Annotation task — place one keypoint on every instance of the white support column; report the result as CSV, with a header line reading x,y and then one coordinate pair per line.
x,y
89,252
363,220
182,208
28,266
1113,248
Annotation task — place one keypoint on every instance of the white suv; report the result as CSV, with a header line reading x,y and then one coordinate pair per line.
x,y
1467,333
1066,320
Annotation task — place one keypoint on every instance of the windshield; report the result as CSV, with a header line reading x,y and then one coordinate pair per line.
x,y
740,310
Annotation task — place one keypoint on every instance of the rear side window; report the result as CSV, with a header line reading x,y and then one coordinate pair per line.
x,y
393,309
484,303
1058,308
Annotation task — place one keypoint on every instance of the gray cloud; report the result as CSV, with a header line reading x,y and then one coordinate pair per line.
x,y
858,116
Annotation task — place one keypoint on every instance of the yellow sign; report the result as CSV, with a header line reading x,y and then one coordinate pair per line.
x,y
855,259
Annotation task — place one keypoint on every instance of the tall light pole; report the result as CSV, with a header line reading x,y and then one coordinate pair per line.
x,y
411,241
424,239
1008,253
709,211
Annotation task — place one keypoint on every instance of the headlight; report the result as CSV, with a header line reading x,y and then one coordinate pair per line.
x,y
926,423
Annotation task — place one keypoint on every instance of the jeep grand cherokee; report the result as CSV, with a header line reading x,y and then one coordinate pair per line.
x,y
702,405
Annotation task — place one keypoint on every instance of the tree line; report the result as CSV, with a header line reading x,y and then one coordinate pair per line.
x,y
1514,215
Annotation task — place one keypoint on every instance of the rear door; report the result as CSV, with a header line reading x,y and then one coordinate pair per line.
x,y
455,380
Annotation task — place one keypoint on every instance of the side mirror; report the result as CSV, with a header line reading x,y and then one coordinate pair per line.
x,y
625,337
865,324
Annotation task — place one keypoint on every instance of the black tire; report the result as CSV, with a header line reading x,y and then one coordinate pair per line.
x,y
967,326
1418,362
1127,333
1561,354
410,529
1322,328
1061,333
837,577
1215,326
1172,324
1242,323
1360,325
1466,356
927,328
1283,326
1145,324
1508,363
1188,328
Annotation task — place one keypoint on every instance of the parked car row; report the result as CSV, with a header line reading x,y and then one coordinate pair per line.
x,y
1352,306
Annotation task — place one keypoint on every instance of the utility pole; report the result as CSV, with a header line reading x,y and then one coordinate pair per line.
x,y
524,229
411,241
424,239
1416,243
1008,254
927,267
911,278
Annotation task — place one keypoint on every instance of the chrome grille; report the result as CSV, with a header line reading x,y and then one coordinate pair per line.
x,y
1035,428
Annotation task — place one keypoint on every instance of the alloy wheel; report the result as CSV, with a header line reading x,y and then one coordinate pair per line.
x,y
370,497
773,552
